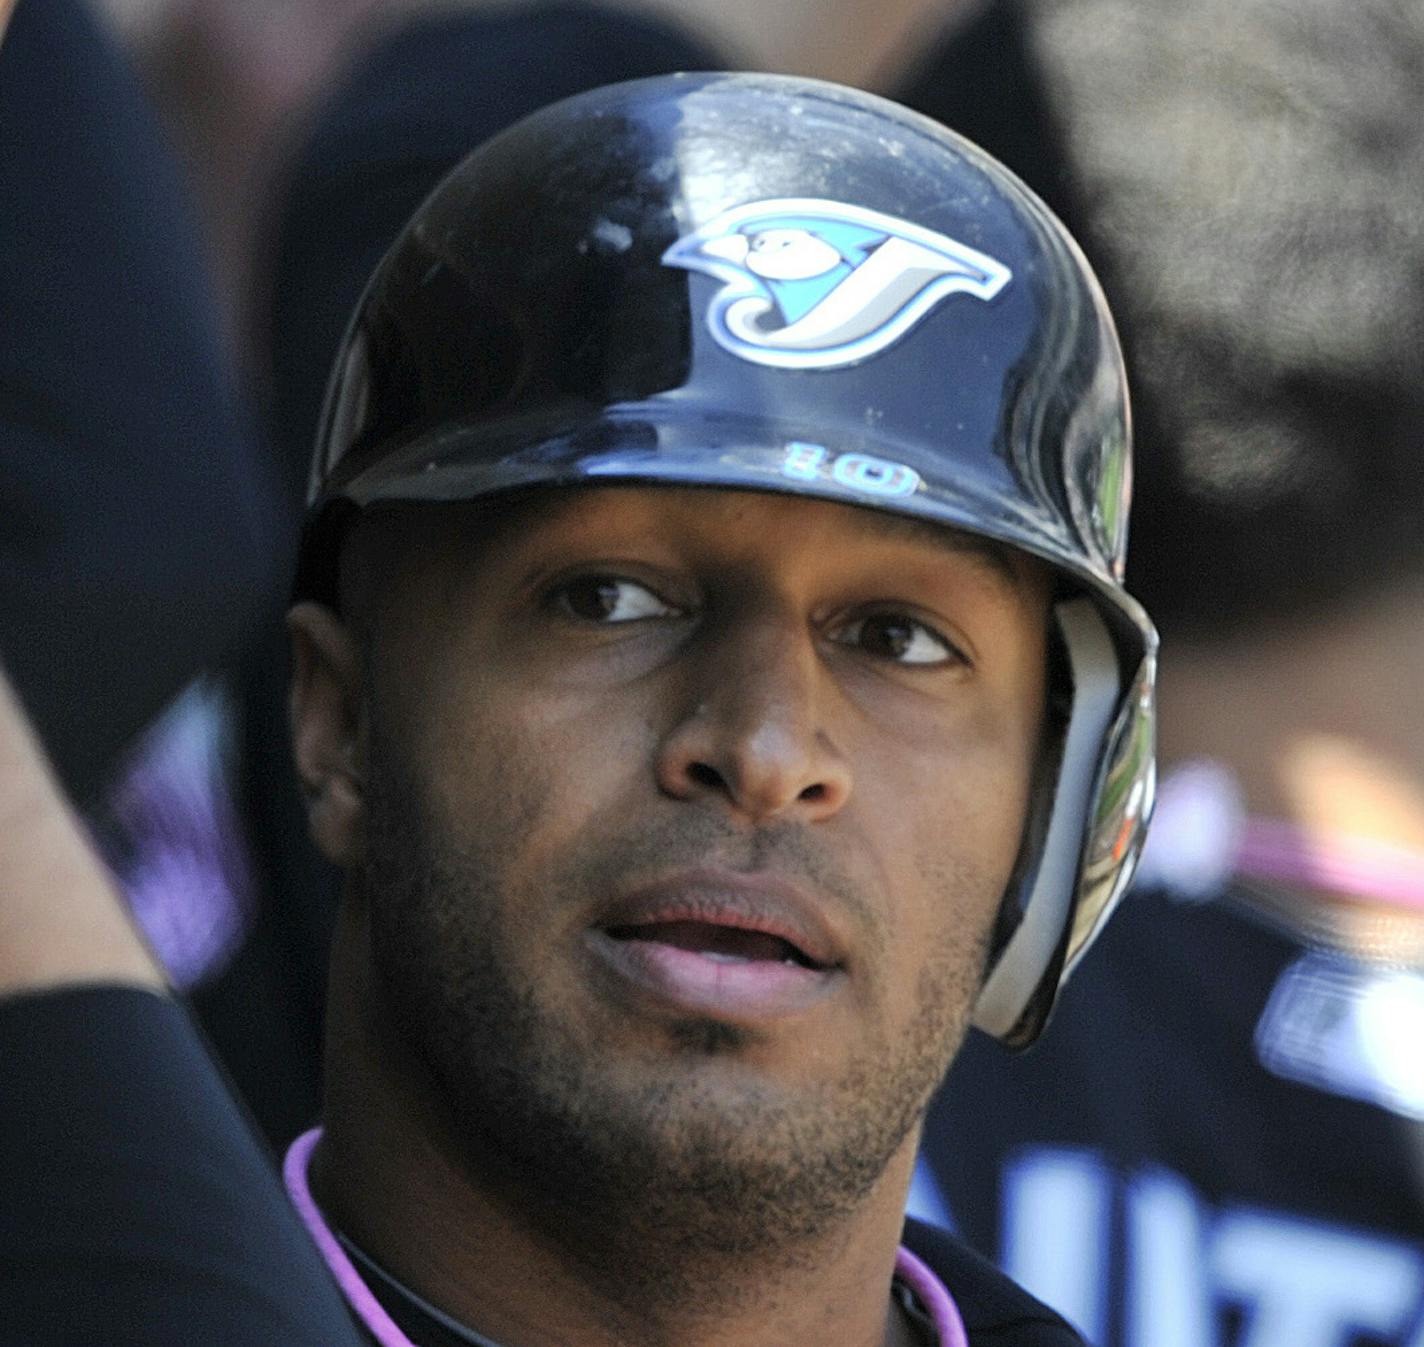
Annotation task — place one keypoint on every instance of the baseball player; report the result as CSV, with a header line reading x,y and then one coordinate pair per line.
x,y
714,679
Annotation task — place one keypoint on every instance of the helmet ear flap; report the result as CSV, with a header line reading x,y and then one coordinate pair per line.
x,y
1058,710
1021,983
1122,809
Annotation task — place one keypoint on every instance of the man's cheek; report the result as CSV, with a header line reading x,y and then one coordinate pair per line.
x,y
962,867
492,782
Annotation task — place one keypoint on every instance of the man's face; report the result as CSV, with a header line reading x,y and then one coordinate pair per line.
x,y
687,817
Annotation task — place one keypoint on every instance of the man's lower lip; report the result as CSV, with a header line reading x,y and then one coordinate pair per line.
x,y
736,990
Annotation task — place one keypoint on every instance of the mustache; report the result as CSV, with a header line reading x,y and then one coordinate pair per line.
x,y
620,847
702,838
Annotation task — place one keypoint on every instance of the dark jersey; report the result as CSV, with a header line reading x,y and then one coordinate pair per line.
x,y
1218,1142
995,1313
983,1308
137,1208
140,528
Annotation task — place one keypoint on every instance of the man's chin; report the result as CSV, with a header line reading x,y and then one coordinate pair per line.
x,y
700,1153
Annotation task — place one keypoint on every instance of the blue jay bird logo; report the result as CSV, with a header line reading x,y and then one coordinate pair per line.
x,y
816,284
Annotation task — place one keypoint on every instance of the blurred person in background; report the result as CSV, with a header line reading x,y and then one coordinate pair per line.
x,y
233,77
99,1048
1220,1140
138,539
143,539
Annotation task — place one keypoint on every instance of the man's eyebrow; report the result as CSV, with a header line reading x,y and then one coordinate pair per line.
x,y
903,528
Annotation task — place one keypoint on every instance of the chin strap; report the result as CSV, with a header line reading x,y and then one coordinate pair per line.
x,y
910,1270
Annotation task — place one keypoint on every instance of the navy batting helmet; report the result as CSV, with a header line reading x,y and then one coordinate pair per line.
x,y
759,282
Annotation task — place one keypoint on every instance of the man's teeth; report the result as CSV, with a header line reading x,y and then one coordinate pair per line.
x,y
722,944
721,956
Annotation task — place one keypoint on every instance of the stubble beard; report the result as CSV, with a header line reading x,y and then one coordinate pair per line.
x,y
632,1168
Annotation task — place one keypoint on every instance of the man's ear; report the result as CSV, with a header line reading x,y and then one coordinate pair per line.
x,y
327,728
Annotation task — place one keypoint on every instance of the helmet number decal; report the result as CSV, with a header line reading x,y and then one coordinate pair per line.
x,y
812,284
864,473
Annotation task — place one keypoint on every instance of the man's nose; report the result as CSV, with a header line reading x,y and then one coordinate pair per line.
x,y
751,730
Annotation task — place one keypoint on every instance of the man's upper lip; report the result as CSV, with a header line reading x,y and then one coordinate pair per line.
x,y
742,900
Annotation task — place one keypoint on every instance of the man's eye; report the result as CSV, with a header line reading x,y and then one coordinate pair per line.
x,y
899,638
608,598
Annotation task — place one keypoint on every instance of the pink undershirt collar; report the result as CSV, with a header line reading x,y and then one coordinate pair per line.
x,y
938,1303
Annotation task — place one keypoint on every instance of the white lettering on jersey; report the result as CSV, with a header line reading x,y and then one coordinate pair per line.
x,y
1312,1286
1168,1302
1055,1218
1072,1228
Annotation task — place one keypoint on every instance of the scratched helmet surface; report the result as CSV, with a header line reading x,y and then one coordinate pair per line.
x,y
776,284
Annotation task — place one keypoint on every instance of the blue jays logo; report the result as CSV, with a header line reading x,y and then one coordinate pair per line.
x,y
818,284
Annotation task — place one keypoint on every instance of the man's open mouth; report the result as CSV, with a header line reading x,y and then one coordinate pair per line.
x,y
726,944
732,947
708,970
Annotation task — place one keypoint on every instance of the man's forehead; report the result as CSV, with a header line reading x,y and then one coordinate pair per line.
x,y
1011,563
655,499
467,529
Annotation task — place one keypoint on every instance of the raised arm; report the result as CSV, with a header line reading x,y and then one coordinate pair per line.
x,y
135,1206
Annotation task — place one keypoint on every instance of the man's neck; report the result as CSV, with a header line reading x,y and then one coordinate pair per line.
x,y
504,1260
420,1322
1320,724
